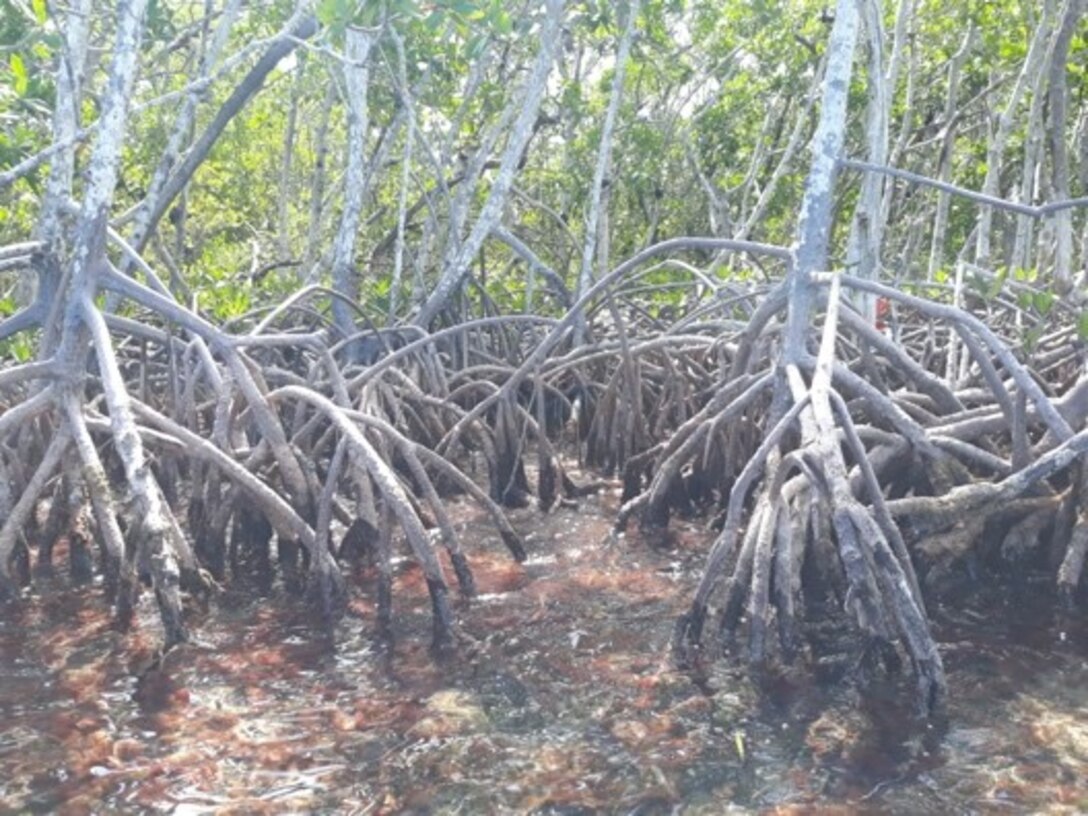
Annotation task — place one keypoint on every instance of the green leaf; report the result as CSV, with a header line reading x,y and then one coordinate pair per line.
x,y
997,284
40,10
334,13
978,284
1082,325
18,70
1032,335
1042,301
477,45
20,348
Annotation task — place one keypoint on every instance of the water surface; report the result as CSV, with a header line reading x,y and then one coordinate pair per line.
x,y
559,701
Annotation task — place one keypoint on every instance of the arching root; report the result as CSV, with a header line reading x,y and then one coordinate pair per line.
x,y
807,494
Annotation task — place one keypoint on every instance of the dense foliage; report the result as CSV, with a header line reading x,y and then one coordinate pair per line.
x,y
718,105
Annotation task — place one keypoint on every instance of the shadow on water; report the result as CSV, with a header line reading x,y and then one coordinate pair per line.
x,y
558,701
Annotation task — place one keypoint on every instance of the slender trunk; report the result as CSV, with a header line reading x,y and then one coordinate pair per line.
x,y
308,270
769,134
906,129
145,217
595,243
301,27
283,209
58,191
454,273
1059,153
904,17
793,145
814,227
357,79
944,162
397,282
460,205
1002,126
106,156
717,201
1033,156
66,119
867,226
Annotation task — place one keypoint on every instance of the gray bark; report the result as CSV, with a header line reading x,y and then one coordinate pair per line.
x,y
793,145
1059,153
454,272
357,81
145,217
301,27
396,283
814,228
867,226
595,236
1002,127
70,74
944,165
307,273
1033,155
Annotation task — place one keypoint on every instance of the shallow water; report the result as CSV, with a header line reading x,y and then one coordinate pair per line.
x,y
559,701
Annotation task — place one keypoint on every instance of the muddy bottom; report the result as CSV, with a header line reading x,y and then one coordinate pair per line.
x,y
559,700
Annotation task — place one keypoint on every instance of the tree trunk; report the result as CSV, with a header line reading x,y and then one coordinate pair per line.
x,y
301,27
1059,153
1001,127
814,227
867,226
944,160
357,80
455,270
595,238
308,271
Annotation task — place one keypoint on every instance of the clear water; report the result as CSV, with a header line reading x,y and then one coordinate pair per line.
x,y
560,700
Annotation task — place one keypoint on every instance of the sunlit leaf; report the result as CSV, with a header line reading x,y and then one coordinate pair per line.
x,y
18,71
